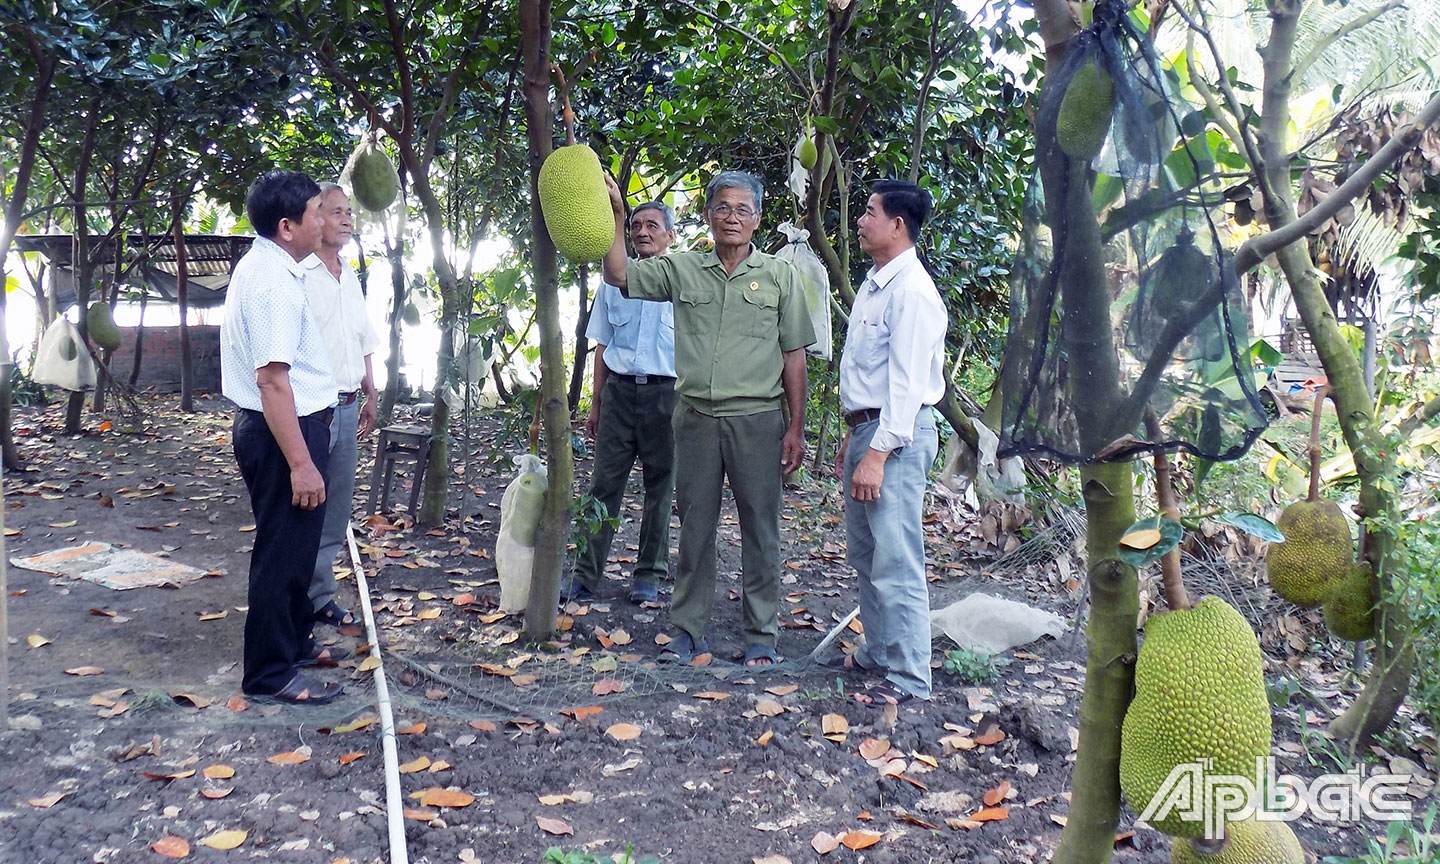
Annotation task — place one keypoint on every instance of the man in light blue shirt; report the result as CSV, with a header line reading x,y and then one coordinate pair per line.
x,y
630,417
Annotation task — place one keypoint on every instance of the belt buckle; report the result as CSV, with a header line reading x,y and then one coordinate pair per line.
x,y
642,379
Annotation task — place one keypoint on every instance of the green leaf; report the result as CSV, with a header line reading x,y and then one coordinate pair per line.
x,y
827,125
1171,532
1252,524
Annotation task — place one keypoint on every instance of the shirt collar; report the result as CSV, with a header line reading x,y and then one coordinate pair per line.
x,y
270,248
712,259
880,278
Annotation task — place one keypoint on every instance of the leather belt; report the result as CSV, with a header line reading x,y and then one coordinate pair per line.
x,y
349,398
864,415
324,415
644,379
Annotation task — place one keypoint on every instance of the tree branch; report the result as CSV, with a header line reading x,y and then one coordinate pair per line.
x,y
447,92
1257,249
749,37
402,70
1324,44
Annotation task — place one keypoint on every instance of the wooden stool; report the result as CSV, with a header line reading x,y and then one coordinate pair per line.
x,y
399,444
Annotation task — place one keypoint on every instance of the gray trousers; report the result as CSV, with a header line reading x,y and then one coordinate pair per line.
x,y
635,423
339,501
885,543
746,450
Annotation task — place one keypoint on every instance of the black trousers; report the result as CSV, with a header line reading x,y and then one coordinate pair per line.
x,y
287,539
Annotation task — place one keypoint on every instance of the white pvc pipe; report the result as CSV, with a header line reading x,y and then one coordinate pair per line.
x,y
394,800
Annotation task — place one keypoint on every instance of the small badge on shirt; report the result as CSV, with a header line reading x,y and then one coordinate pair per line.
x,y
754,285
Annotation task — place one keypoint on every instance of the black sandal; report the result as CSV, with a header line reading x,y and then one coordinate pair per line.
x,y
883,694
335,615
324,655
304,690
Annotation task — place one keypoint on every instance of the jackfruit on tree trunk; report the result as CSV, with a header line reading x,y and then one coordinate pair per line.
x,y
1199,695
1350,608
100,324
576,204
1085,112
1315,556
1250,841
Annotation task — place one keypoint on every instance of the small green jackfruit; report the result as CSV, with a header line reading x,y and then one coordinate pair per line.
x,y
1199,694
1250,841
1085,112
1315,556
1350,608
576,204
411,314
808,154
100,324
1181,275
373,177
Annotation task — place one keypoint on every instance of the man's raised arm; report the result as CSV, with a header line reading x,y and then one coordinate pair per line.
x,y
616,263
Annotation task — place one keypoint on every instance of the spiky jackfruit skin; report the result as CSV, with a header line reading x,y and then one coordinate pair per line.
x,y
576,204
1315,556
1085,112
808,154
1249,842
1350,608
373,177
1199,694
100,324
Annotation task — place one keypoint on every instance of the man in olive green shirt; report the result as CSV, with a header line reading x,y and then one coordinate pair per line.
x,y
741,327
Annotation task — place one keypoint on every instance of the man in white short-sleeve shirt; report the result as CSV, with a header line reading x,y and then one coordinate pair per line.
x,y
339,308
275,369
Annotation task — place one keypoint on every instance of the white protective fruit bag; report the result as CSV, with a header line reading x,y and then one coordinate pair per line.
x,y
817,288
62,360
515,546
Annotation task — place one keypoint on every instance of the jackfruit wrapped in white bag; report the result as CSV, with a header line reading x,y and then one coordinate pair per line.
x,y
817,285
62,359
515,546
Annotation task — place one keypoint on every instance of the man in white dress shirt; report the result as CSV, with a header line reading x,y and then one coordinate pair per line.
x,y
891,373
274,367
339,308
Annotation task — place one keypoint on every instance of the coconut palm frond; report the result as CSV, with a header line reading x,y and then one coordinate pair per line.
x,y
1368,242
1393,50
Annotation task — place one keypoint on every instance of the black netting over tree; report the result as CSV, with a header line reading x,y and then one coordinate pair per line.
x,y
1127,322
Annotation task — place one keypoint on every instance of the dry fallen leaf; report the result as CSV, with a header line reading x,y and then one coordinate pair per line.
x,y
216,793
437,797
857,840
35,640
771,859
416,728
606,686
292,757
82,671
420,815
347,758
174,775
582,713
171,846
834,726
991,814
47,801
369,664
769,707
996,795
624,732
482,725
218,772
824,842
225,839
414,766
463,599
438,766
356,724
237,703
765,737
874,748
712,695
782,689
553,826
992,736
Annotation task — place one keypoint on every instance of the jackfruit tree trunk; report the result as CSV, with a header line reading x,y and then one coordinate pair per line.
x,y
1089,835
182,306
139,342
1389,678
396,255
553,530
437,468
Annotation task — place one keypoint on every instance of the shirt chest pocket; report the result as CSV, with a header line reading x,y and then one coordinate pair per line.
x,y
695,310
760,311
621,314
874,341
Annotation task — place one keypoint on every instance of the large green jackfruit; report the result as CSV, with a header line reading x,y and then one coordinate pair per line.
x,y
1199,694
373,177
576,204
1085,112
100,324
1350,608
1247,842
1181,275
1315,556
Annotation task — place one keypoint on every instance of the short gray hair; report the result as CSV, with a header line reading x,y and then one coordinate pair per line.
x,y
667,213
734,180
327,188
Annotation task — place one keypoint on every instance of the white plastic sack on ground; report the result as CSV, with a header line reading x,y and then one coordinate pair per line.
x,y
992,480
515,546
62,360
817,288
992,624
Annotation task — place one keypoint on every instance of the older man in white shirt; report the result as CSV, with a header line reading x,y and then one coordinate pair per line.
x,y
274,367
891,373
339,307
